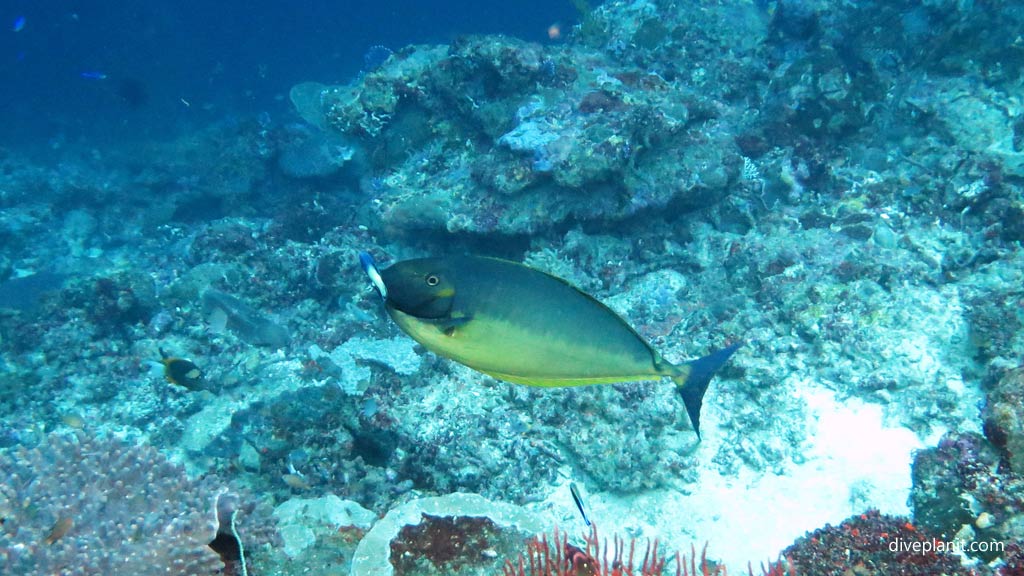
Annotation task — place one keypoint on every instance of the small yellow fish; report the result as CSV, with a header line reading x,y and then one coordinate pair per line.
x,y
73,420
295,481
181,371
524,326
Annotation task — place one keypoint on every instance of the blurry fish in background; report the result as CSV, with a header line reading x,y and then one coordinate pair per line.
x,y
181,371
19,24
132,93
295,481
61,527
225,312
128,91
73,420
375,57
26,293
555,31
218,321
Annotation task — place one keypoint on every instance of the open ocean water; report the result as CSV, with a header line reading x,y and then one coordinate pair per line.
x,y
224,59
568,288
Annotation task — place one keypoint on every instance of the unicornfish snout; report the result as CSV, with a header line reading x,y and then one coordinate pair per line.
x,y
371,270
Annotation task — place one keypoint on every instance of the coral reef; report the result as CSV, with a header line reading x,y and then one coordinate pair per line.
x,y
864,545
1003,416
560,558
442,544
311,153
596,141
563,559
961,492
80,505
319,535
1013,561
457,532
836,184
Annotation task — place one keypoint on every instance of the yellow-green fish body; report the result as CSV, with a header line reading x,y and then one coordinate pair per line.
x,y
522,325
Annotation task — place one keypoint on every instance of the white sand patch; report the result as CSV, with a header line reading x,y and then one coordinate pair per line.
x,y
854,462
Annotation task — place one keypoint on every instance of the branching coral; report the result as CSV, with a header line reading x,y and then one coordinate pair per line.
x,y
559,558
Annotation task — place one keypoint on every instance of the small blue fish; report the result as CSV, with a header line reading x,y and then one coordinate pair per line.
x,y
92,75
19,24
370,267
579,501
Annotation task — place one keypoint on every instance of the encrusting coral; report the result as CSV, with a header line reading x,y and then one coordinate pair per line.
x,y
80,505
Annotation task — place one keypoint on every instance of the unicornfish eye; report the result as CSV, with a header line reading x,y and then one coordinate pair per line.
x,y
432,280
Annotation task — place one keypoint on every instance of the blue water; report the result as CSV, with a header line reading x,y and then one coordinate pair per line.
x,y
173,65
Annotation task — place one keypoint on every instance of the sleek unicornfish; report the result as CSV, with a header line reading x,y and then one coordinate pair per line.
x,y
525,326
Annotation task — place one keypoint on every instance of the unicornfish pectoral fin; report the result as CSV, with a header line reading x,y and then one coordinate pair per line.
x,y
450,324
693,381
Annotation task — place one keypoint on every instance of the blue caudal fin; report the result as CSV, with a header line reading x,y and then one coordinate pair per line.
x,y
694,383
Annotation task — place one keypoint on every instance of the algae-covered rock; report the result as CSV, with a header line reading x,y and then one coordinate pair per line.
x,y
960,490
313,154
349,360
863,540
1004,418
469,522
302,521
939,482
494,134
977,118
